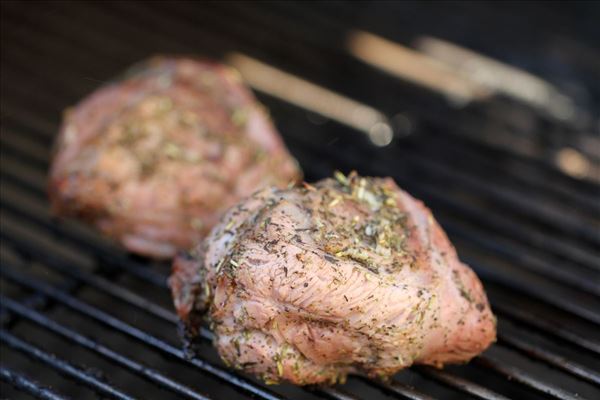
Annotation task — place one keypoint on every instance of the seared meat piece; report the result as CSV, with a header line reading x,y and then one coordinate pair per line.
x,y
155,159
349,275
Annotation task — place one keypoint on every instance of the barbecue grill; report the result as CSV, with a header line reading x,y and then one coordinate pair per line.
x,y
513,183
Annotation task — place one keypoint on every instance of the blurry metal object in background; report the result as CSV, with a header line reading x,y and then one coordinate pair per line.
x,y
573,162
312,97
462,75
415,67
499,77
465,76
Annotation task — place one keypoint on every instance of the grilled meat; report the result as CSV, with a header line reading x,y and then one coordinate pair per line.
x,y
155,159
351,275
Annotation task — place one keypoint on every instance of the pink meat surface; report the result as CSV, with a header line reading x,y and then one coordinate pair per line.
x,y
351,275
155,159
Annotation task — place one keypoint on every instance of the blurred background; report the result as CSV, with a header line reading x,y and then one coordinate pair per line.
x,y
487,111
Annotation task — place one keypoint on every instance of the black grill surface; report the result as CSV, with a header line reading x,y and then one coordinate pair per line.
x,y
82,319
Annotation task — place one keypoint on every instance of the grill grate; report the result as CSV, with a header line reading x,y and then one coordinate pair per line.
x,y
27,385
74,304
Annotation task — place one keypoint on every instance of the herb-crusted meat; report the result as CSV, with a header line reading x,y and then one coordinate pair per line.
x,y
155,159
349,275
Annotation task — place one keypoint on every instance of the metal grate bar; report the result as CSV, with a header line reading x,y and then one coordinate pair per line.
x,y
542,213
333,393
514,254
10,113
148,373
554,360
143,337
537,240
27,385
53,262
395,388
37,300
557,299
518,375
130,266
63,366
30,178
532,239
451,380
22,145
467,154
547,327
103,253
